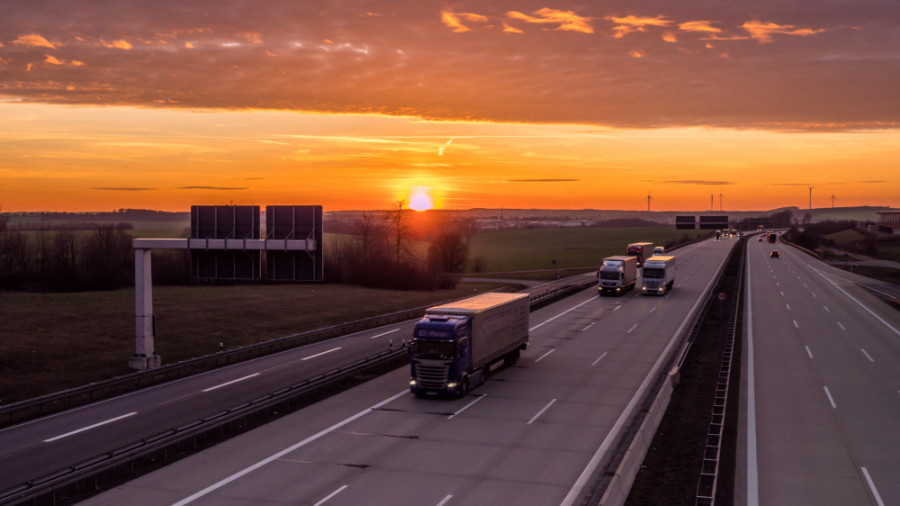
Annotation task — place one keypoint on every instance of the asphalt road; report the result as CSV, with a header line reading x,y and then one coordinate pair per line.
x,y
532,434
820,386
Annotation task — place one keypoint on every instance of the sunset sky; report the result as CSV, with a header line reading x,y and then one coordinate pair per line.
x,y
356,104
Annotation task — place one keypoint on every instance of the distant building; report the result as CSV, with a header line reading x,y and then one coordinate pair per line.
x,y
890,222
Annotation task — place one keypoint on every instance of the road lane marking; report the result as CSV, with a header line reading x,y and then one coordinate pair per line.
x,y
814,295
888,325
788,306
541,412
89,427
652,309
782,293
599,359
282,453
544,355
872,486
617,307
830,398
752,466
867,355
589,326
809,352
826,309
548,320
385,333
445,500
467,406
632,328
795,324
320,354
841,326
329,496
210,389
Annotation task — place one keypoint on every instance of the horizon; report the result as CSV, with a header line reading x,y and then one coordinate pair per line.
x,y
474,106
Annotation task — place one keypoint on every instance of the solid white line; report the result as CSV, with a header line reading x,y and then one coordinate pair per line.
x,y
632,328
210,389
872,486
888,325
320,354
544,355
867,355
329,496
752,466
560,314
467,406
599,358
284,452
541,412
385,333
841,326
444,501
589,326
111,420
830,398
809,352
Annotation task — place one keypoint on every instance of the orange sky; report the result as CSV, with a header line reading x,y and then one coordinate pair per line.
x,y
568,106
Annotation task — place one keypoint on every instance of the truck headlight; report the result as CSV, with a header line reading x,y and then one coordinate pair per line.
x,y
452,384
412,382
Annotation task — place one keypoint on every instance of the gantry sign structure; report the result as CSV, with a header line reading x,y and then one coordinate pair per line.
x,y
227,243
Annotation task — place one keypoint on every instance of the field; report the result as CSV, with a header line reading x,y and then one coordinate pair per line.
x,y
561,248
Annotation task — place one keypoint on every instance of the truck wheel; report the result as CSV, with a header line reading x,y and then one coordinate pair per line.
x,y
464,387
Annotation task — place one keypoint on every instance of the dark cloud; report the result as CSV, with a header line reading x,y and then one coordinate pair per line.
x,y
209,188
700,182
766,64
125,189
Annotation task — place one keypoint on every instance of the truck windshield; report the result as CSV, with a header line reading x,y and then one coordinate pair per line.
x,y
442,350
654,273
609,274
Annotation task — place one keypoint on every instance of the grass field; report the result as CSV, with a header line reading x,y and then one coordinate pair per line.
x,y
55,341
527,249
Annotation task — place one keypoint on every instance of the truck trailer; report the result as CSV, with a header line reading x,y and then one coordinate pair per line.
x,y
658,275
618,274
455,344
641,250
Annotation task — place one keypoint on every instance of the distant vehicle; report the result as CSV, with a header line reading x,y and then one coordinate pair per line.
x,y
760,238
642,250
618,274
658,275
774,254
454,344
772,237
718,234
659,250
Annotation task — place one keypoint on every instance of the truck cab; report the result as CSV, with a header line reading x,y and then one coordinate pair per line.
x,y
440,355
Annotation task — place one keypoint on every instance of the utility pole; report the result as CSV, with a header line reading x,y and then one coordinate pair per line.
x,y
810,196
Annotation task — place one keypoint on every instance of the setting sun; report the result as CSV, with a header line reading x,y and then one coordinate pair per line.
x,y
420,200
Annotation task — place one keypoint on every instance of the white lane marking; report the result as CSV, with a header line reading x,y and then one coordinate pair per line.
x,y
782,293
329,496
541,412
467,406
796,325
814,295
632,328
872,486
599,359
788,306
809,352
589,326
752,469
544,355
282,453
652,309
826,309
89,427
445,500
385,333
210,389
320,354
617,307
830,398
573,308
841,326
888,325
867,355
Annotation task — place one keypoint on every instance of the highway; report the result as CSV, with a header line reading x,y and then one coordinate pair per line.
x,y
532,434
820,387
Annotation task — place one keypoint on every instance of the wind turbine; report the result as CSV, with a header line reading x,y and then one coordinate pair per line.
x,y
648,200
810,196
833,198
721,196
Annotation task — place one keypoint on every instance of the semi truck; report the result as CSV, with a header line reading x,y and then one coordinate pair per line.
x,y
454,345
772,237
618,274
641,250
658,275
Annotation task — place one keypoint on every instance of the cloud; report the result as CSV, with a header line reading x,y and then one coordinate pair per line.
x,y
567,20
33,40
763,31
452,20
542,180
125,189
511,29
117,44
627,24
699,182
442,148
209,188
699,26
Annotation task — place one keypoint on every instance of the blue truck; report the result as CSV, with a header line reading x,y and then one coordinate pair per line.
x,y
455,344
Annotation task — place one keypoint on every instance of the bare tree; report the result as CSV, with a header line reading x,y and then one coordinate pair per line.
x,y
365,229
448,252
397,220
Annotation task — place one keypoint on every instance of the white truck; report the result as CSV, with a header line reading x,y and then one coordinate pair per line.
x,y
658,275
455,344
618,274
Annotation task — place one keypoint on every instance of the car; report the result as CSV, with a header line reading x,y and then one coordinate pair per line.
x,y
774,254
760,238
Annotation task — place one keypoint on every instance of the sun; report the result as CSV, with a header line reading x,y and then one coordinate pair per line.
x,y
420,200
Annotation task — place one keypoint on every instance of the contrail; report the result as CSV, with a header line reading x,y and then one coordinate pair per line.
x,y
442,148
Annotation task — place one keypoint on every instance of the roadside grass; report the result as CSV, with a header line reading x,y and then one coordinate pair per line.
x,y
529,249
55,341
